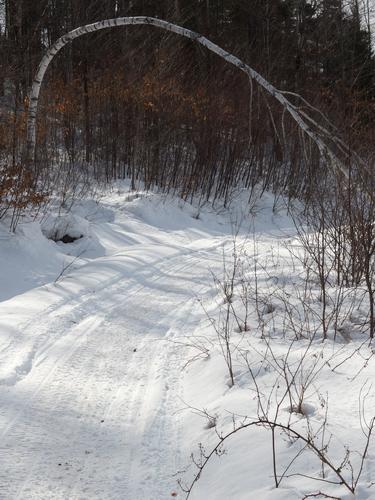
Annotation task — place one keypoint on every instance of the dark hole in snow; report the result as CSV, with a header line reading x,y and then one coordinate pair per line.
x,y
66,228
69,239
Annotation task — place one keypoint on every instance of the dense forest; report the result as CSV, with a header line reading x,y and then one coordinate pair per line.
x,y
141,102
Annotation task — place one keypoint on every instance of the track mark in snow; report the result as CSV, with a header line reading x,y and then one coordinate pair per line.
x,y
76,336
95,414
58,318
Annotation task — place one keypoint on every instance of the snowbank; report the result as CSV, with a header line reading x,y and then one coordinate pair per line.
x,y
66,228
27,260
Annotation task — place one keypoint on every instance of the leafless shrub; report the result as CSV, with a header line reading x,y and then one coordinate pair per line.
x,y
297,369
316,440
200,345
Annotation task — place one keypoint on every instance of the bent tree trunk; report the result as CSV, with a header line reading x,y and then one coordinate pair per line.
x,y
319,135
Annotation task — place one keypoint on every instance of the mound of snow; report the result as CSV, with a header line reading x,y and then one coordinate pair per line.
x,y
66,228
27,260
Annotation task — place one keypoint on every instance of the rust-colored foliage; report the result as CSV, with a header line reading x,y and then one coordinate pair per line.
x,y
18,189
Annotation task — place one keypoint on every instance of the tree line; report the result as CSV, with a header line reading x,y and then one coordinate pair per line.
x,y
143,103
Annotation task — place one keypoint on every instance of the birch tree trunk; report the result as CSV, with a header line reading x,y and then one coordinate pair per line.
x,y
317,134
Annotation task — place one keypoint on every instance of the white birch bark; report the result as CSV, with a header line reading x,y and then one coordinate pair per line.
x,y
316,135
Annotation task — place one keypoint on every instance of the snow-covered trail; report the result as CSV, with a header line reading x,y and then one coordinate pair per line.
x,y
90,385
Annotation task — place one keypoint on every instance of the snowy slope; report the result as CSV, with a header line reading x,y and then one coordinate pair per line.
x,y
104,374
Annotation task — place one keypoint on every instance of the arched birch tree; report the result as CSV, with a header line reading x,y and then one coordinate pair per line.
x,y
331,148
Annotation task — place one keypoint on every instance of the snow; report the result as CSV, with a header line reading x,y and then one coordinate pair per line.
x,y
27,260
111,371
73,226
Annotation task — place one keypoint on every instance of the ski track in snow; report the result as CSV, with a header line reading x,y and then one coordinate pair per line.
x,y
92,410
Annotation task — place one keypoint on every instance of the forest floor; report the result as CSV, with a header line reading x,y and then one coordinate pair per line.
x,y
112,366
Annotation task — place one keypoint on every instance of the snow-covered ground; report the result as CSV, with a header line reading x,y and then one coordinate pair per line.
x,y
112,361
